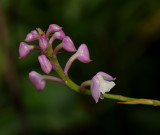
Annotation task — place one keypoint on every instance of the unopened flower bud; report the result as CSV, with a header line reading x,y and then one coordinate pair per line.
x,y
68,44
60,35
37,80
43,43
57,35
46,65
54,28
24,49
83,54
33,35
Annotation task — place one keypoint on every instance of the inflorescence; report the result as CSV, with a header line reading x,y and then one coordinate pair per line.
x,y
99,84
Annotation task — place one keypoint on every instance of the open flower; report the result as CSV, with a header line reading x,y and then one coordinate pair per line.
x,y
37,80
100,84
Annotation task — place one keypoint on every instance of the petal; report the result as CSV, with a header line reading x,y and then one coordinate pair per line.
x,y
68,44
83,54
95,88
43,43
54,28
105,86
106,76
33,35
60,35
45,64
24,49
37,80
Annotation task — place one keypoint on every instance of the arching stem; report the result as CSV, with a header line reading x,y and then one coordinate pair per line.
x,y
52,78
75,87
69,63
58,47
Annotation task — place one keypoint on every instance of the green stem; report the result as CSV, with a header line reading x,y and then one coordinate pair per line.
x,y
60,71
84,85
75,87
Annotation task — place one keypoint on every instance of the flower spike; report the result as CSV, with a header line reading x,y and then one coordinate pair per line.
x,y
46,65
37,80
100,84
33,35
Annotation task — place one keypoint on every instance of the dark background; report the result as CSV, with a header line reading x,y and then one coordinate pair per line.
x,y
123,37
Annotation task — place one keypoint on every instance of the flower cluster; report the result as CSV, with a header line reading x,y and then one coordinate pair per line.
x,y
100,83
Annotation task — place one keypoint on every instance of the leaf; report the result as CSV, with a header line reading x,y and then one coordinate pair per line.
x,y
143,101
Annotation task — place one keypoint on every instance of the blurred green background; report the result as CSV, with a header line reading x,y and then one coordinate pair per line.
x,y
123,38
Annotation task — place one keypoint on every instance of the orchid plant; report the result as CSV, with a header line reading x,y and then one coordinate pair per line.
x,y
99,85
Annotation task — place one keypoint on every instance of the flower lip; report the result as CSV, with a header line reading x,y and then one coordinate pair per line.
x,y
46,65
37,80
100,84
54,28
33,35
105,86
83,54
24,49
68,44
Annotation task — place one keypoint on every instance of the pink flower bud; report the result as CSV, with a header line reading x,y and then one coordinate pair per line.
x,y
45,64
83,54
24,49
43,43
68,44
37,80
59,35
33,35
54,28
